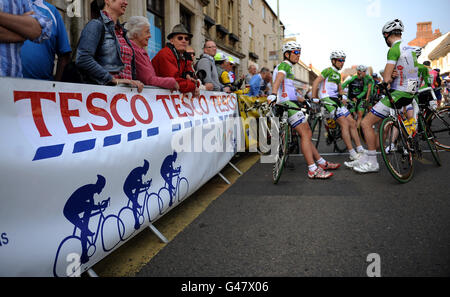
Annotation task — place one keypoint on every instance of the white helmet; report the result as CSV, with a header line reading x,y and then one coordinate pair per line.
x,y
417,50
291,46
337,55
395,25
361,68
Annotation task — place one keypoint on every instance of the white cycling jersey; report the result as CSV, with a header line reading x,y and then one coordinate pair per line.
x,y
401,55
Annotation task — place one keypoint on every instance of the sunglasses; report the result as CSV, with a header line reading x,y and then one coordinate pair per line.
x,y
180,38
341,60
296,52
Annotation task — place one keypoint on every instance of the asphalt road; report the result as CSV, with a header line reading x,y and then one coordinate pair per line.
x,y
303,227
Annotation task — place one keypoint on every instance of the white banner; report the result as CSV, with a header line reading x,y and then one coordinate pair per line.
x,y
84,168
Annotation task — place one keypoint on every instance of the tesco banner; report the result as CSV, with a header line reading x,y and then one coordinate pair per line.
x,y
84,168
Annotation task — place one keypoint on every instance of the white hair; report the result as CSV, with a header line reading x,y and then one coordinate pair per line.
x,y
134,26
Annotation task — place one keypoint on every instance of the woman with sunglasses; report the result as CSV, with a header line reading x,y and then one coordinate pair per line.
x,y
284,93
171,61
329,85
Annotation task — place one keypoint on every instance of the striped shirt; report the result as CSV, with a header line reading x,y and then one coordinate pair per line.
x,y
10,62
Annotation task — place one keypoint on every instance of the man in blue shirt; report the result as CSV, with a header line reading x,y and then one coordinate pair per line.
x,y
259,82
19,22
38,59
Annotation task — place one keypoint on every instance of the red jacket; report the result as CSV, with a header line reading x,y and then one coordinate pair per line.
x,y
165,64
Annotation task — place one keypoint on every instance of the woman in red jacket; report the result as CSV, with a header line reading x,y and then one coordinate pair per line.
x,y
171,61
138,29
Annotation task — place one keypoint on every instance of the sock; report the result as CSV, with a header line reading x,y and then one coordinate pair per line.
x,y
360,149
372,157
312,167
352,152
321,161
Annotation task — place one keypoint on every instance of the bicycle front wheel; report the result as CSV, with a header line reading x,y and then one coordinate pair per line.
x,y
394,149
439,126
282,151
430,141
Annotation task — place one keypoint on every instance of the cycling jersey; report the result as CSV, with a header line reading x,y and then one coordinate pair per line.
x,y
355,87
287,90
368,80
424,77
401,55
329,88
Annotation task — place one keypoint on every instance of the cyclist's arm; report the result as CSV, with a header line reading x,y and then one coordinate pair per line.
x,y
363,93
348,81
369,91
315,86
387,75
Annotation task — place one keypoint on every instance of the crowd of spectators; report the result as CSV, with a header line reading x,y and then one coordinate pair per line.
x,y
33,37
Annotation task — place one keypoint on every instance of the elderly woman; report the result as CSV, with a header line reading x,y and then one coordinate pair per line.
x,y
105,55
138,29
171,61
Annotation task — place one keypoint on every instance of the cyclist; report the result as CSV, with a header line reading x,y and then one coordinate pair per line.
x,y
283,92
357,92
168,172
134,185
330,90
402,58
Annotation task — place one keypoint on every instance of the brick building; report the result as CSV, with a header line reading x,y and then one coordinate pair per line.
x,y
425,34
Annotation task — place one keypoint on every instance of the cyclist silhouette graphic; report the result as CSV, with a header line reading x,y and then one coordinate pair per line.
x,y
168,172
133,186
82,202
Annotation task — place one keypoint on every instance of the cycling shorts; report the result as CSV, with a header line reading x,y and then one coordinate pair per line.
x,y
335,112
383,108
295,117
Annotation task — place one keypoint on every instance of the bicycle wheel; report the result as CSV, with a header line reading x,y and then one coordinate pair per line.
x,y
396,155
282,151
339,144
316,129
439,127
430,141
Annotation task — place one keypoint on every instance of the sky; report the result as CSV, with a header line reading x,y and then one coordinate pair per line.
x,y
354,26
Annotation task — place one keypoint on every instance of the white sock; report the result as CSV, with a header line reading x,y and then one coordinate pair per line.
x,y
372,157
360,149
352,152
312,167
321,161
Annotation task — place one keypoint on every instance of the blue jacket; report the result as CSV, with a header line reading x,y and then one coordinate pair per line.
x,y
99,55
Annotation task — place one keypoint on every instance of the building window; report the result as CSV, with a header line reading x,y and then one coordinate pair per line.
x,y
250,35
155,16
217,12
185,18
250,2
229,20
264,13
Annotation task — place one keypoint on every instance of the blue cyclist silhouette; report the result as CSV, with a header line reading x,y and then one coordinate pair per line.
x,y
133,186
168,172
81,202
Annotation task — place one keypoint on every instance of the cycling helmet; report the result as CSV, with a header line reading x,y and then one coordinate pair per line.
x,y
291,46
395,25
361,68
146,166
417,50
337,55
101,181
220,57
231,60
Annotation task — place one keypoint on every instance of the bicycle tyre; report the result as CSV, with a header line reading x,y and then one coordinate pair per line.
x,y
430,141
399,165
438,127
316,129
338,141
281,153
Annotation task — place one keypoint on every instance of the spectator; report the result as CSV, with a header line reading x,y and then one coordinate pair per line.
x,y
232,76
38,60
207,64
19,22
171,61
222,65
105,56
251,72
258,83
438,85
138,29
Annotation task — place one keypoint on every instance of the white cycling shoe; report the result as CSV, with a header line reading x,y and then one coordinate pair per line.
x,y
354,160
366,167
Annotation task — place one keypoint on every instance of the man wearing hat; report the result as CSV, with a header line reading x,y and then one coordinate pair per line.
x,y
171,61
